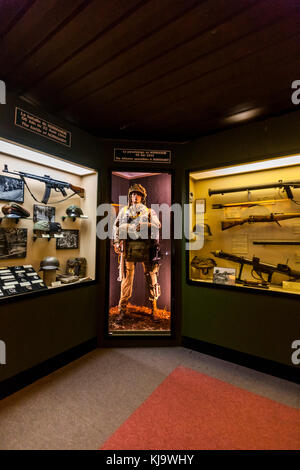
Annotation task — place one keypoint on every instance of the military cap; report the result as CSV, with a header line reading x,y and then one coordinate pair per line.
x,y
15,211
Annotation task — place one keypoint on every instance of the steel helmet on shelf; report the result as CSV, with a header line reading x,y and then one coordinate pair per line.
x,y
55,227
15,211
50,262
42,225
74,211
137,188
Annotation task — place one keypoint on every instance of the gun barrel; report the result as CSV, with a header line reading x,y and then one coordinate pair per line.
x,y
275,242
44,179
278,184
248,203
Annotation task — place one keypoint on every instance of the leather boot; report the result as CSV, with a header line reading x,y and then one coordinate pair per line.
x,y
122,315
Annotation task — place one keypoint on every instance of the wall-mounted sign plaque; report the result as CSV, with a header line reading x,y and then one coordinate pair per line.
x,y
142,156
33,123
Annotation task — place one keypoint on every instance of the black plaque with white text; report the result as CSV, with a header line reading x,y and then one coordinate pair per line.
x,y
142,156
39,126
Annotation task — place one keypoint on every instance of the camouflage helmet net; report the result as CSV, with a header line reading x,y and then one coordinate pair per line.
x,y
137,188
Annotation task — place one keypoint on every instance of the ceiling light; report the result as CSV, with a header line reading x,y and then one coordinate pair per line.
x,y
28,154
248,167
243,116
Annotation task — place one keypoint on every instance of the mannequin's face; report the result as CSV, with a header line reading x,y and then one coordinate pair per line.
x,y
136,198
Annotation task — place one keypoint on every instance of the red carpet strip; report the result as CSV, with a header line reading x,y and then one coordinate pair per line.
x,y
191,411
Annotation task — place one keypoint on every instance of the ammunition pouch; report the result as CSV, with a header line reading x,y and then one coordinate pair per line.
x,y
142,250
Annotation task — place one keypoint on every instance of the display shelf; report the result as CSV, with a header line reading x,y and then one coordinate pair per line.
x,y
245,226
20,244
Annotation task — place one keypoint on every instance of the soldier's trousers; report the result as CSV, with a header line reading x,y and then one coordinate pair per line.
x,y
151,273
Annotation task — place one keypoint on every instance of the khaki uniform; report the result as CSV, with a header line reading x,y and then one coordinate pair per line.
x,y
151,272
151,269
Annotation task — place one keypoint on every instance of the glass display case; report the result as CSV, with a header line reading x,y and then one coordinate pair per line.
x,y
47,221
140,271
245,225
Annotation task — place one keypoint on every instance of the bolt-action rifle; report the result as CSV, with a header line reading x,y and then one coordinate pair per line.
x,y
258,267
252,219
286,186
50,184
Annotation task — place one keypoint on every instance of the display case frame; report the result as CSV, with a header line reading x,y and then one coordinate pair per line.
x,y
188,254
92,215
127,337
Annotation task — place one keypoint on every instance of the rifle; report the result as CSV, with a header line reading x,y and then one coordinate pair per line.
x,y
248,203
258,267
279,184
226,224
122,264
50,184
274,242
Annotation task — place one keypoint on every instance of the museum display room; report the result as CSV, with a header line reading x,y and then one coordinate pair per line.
x,y
47,221
245,226
61,295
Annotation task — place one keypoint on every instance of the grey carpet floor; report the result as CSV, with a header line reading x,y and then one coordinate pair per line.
x,y
80,405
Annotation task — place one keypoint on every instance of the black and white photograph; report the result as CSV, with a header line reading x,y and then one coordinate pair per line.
x,y
224,276
43,213
69,240
11,189
13,243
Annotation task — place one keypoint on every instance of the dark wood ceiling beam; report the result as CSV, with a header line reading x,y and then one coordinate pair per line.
x,y
204,126
262,61
238,94
254,91
177,86
275,105
152,54
11,11
41,22
214,60
81,31
93,65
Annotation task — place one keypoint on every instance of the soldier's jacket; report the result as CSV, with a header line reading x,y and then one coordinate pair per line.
x,y
129,217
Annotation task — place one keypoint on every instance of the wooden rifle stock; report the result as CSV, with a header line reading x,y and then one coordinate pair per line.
x,y
226,224
77,190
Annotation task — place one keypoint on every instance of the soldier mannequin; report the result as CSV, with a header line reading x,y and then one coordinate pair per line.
x,y
131,223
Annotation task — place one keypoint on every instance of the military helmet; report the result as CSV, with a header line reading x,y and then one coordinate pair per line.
x,y
50,262
55,227
202,229
15,211
42,225
74,211
137,188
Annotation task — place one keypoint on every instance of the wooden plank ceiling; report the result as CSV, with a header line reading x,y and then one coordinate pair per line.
x,y
169,70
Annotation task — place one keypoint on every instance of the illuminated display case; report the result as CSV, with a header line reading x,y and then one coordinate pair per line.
x,y
47,225
140,270
245,225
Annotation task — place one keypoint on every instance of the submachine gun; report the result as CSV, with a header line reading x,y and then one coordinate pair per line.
x,y
50,184
258,268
